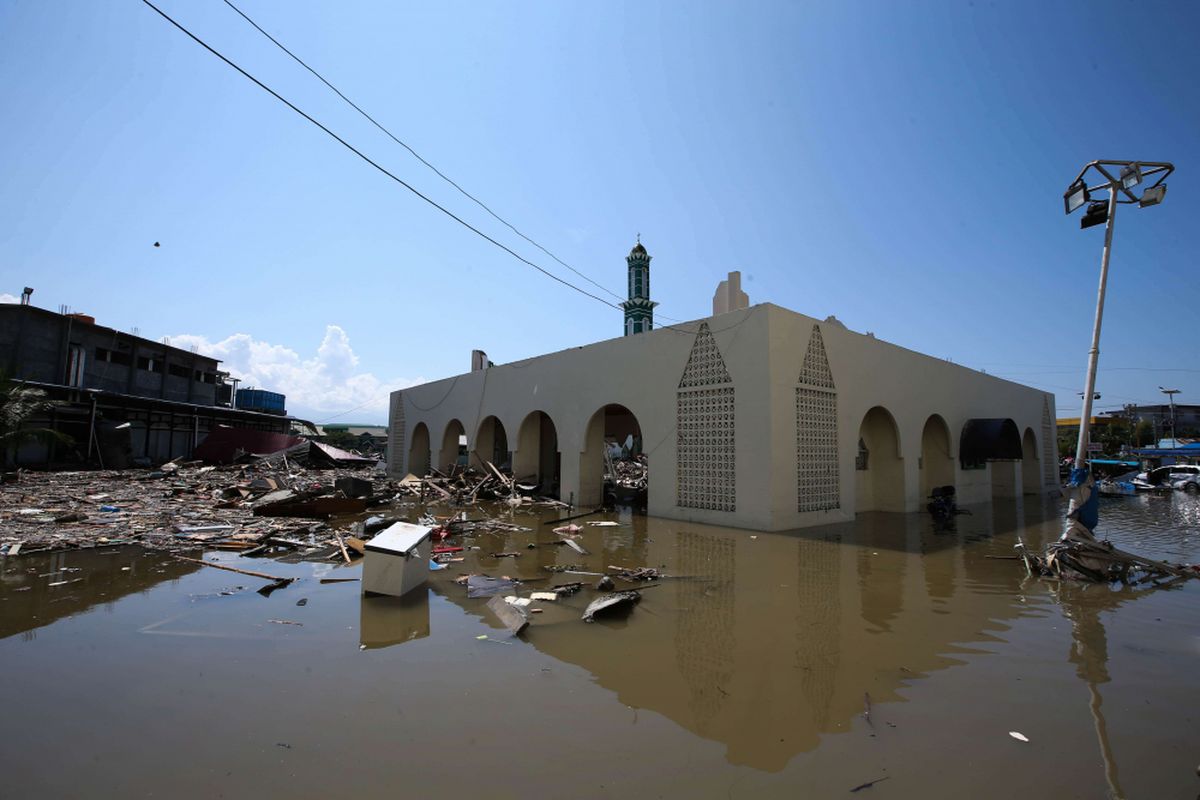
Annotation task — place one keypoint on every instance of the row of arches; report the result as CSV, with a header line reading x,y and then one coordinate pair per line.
x,y
534,455
880,484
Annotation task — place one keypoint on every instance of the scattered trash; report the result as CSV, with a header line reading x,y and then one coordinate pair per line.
x,y
576,546
605,584
509,615
616,600
869,784
484,586
633,574
277,582
286,622
1020,737
303,601
544,596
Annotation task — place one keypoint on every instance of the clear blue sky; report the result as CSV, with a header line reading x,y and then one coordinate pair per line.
x,y
899,165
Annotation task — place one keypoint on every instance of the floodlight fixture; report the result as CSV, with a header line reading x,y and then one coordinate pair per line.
x,y
1096,214
1076,195
1118,178
1153,196
1131,176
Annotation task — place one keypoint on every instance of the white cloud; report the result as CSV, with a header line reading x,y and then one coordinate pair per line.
x,y
318,387
5,297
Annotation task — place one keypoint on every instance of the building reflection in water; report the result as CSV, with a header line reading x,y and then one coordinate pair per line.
x,y
705,641
818,622
39,590
882,589
767,643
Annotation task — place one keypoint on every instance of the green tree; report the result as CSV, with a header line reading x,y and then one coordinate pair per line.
x,y
341,438
1113,437
1143,434
20,404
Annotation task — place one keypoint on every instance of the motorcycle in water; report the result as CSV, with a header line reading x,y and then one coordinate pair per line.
x,y
942,505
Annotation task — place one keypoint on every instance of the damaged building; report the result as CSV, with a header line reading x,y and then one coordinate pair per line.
x,y
122,399
758,418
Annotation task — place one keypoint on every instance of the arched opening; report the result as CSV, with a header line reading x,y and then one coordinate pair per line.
x,y
1031,465
879,470
995,445
536,458
937,459
418,452
454,442
491,444
613,467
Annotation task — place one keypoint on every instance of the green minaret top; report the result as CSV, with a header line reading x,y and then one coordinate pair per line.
x,y
639,308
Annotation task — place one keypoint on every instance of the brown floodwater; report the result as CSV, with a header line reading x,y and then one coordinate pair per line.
x,y
774,665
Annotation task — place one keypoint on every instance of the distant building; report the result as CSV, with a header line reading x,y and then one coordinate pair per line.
x,y
1187,418
729,295
123,399
366,438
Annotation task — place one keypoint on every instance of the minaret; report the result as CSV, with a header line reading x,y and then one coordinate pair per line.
x,y
639,308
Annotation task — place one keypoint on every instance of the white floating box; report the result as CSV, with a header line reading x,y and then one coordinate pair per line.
x,y
397,560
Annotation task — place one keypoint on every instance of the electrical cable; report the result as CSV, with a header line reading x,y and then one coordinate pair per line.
x,y
415,154
374,164
418,156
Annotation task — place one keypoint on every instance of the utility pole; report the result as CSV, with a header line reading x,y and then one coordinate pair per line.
x,y
1170,393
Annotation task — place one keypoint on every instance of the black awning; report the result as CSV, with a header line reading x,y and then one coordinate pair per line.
x,y
988,440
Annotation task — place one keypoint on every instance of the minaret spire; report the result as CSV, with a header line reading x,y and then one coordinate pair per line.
x,y
639,308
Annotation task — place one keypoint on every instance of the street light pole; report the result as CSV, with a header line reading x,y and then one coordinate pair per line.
x,y
1170,393
1089,389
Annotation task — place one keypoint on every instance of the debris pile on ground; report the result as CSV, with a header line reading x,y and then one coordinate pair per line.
x,y
258,507
1101,562
626,481
462,486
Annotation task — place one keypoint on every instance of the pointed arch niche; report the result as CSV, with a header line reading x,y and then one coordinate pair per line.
x,y
704,425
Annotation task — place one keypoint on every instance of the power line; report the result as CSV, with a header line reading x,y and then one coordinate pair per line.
x,y
377,166
415,154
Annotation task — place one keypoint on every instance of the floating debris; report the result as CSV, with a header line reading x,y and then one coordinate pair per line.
x,y
609,602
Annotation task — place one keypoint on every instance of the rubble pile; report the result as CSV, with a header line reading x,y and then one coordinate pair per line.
x,y
630,473
177,507
465,485
270,504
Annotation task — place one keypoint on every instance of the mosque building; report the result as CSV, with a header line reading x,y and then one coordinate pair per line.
x,y
756,417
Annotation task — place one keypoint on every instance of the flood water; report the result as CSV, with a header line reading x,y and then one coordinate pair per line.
x,y
774,665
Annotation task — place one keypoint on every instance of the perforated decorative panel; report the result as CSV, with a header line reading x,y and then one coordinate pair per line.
x,y
818,479
705,367
1049,456
704,426
815,370
396,443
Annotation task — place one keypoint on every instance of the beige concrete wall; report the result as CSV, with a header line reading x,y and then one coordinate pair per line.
x,y
763,350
